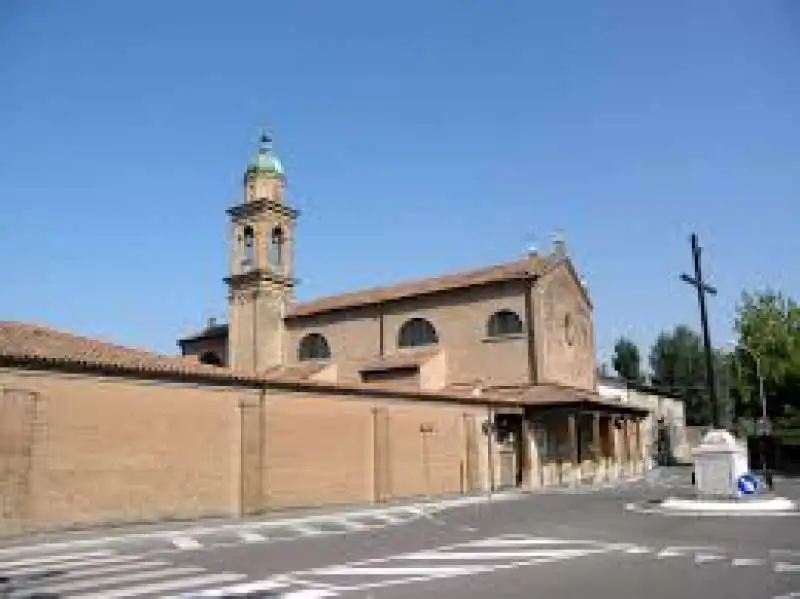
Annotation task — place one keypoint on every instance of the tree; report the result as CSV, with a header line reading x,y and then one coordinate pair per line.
x,y
678,365
626,360
768,326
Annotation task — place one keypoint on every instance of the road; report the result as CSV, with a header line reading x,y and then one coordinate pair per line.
x,y
559,545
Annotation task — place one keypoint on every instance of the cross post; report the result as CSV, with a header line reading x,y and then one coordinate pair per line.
x,y
703,289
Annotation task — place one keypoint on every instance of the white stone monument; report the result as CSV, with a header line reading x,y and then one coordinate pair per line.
x,y
719,461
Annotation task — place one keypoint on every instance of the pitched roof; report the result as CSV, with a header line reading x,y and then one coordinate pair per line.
x,y
40,347
532,265
553,395
30,342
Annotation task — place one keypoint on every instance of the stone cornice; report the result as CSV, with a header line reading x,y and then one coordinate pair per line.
x,y
249,209
258,275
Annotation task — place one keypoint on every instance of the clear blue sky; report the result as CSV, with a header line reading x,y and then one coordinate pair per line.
x,y
420,137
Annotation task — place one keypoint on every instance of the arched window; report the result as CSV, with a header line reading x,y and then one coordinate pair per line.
x,y
276,241
417,332
313,347
211,358
569,329
248,248
503,322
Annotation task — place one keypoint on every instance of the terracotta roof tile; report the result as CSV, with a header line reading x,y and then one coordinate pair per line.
x,y
401,359
519,269
553,395
40,346
35,342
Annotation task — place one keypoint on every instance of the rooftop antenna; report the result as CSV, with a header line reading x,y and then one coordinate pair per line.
x,y
560,244
532,247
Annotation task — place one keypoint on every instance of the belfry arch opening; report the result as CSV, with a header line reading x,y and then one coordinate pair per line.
x,y
277,241
248,241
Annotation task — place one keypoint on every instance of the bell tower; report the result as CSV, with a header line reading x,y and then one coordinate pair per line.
x,y
260,280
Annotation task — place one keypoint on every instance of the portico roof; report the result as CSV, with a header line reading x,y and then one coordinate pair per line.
x,y
551,396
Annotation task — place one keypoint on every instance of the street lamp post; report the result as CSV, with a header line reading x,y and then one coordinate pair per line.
x,y
761,395
764,428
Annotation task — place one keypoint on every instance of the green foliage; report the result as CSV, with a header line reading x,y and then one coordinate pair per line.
x,y
768,326
626,360
678,366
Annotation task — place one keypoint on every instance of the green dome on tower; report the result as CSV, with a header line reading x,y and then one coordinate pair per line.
x,y
265,159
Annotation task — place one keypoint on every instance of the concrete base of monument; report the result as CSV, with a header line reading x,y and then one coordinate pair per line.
x,y
743,505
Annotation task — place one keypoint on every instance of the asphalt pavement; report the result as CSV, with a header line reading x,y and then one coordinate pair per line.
x,y
560,544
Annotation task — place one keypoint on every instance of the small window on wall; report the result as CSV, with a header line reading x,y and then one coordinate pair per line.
x,y
504,323
313,347
417,332
211,358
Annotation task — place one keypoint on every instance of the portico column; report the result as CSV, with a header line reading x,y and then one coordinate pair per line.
x,y
597,443
639,458
572,432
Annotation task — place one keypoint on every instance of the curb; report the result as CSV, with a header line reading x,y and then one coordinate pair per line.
x,y
418,509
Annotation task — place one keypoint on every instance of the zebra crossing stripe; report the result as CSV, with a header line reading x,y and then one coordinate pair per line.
x,y
494,555
168,585
743,561
70,564
50,559
94,581
785,567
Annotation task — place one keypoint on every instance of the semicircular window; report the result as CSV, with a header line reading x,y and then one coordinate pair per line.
x,y
211,358
417,332
313,347
503,323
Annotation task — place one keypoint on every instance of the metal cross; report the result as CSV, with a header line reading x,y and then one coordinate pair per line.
x,y
704,289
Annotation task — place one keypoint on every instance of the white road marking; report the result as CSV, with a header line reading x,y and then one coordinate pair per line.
x,y
496,555
390,571
94,582
51,559
251,537
70,564
184,542
240,589
523,541
307,531
168,585
745,561
786,567
669,553
701,558
115,568
449,561
637,550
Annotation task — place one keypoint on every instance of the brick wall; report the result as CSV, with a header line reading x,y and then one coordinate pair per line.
x,y
109,450
79,450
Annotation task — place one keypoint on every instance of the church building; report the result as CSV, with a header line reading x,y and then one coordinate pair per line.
x,y
521,330
515,325
462,383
